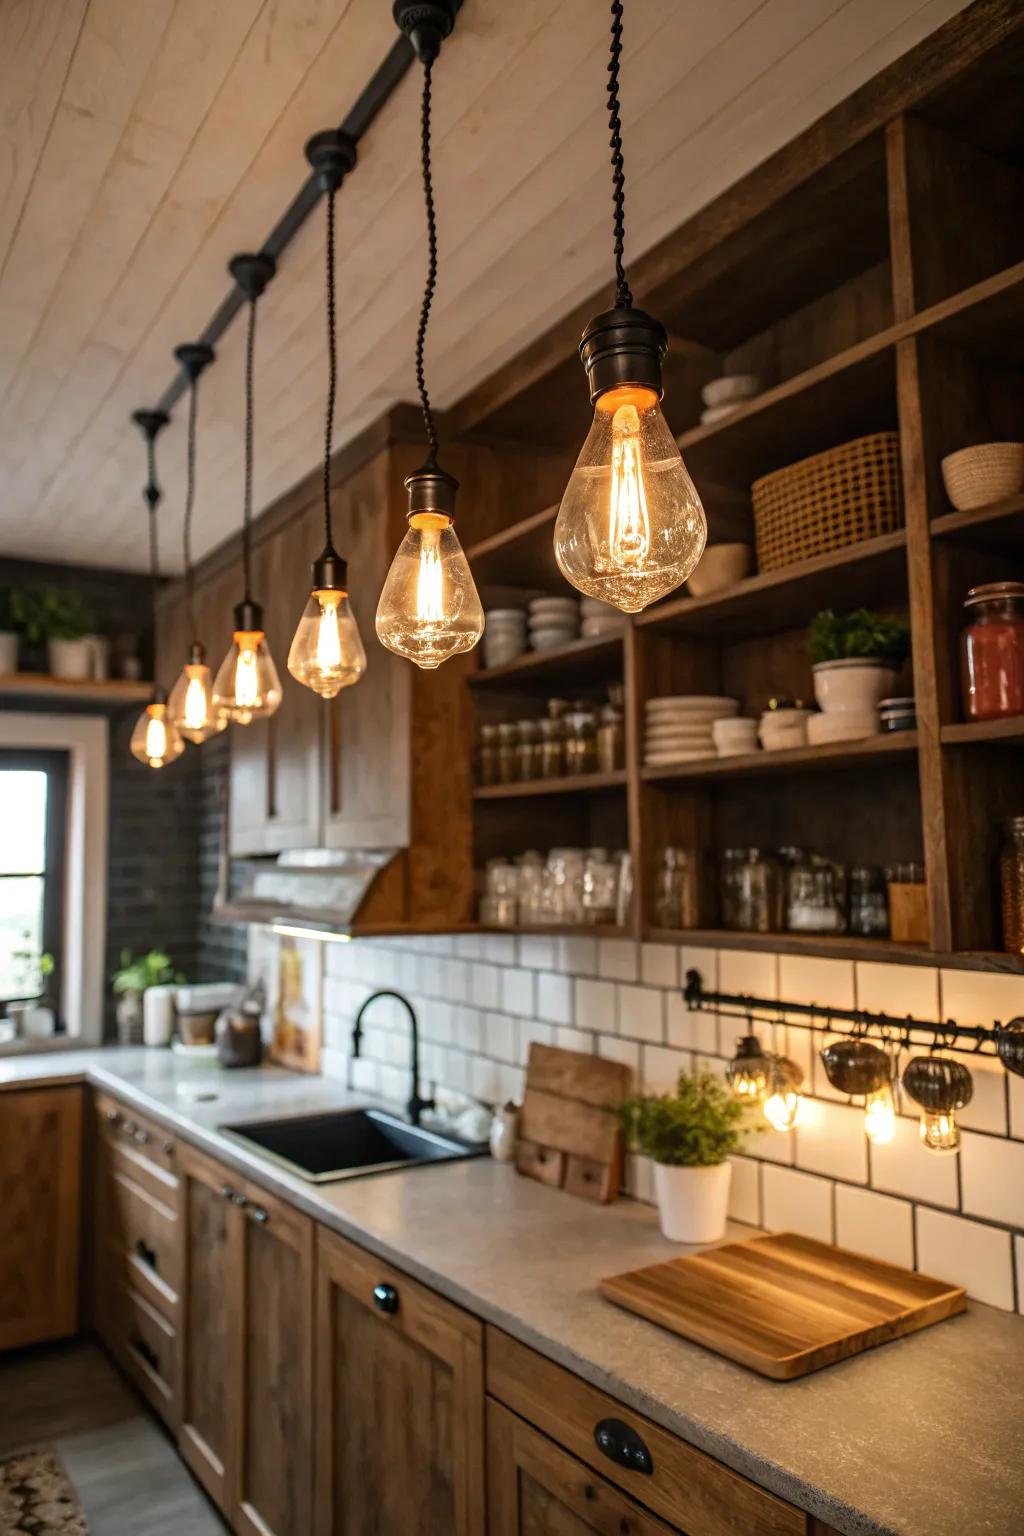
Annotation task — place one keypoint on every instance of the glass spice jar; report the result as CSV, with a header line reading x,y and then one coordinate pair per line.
x,y
1011,882
488,756
611,733
867,902
581,741
508,756
528,750
551,749
992,651
814,899
600,887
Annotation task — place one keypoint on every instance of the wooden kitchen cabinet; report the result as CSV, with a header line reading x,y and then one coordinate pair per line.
x,y
40,1161
399,1403
247,1302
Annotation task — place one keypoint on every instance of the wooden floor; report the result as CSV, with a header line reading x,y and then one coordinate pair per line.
x,y
124,1466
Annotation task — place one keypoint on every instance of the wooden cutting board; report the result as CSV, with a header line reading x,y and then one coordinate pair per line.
x,y
569,1125
784,1305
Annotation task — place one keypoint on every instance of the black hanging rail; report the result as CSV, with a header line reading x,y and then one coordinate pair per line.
x,y
379,89
768,1010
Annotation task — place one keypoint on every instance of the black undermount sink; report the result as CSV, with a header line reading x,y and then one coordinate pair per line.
x,y
346,1143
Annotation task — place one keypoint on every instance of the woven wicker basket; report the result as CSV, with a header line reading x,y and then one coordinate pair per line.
x,y
828,501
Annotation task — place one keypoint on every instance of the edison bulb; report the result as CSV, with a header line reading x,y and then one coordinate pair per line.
x,y
247,686
631,526
156,740
880,1115
939,1131
429,609
782,1108
327,651
190,706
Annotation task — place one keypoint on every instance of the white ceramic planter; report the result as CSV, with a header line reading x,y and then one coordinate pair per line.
x,y
692,1202
8,652
854,685
158,1014
70,660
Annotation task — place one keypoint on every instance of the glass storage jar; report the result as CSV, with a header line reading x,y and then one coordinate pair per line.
x,y
611,733
815,898
499,905
508,756
531,887
757,891
600,887
867,902
488,758
677,897
581,741
564,886
1011,881
551,749
528,750
992,651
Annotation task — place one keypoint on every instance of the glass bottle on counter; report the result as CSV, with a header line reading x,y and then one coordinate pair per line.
x,y
992,651
1011,881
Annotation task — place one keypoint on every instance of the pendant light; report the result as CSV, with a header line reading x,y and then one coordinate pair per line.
x,y
429,608
155,740
247,686
783,1102
940,1087
190,706
327,651
748,1071
631,526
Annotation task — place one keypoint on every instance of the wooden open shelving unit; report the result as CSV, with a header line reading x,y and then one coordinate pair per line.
x,y
881,289
113,692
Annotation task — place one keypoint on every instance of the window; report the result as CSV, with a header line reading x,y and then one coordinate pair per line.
x,y
33,816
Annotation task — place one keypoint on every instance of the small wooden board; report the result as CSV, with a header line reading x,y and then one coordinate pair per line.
x,y
784,1305
569,1126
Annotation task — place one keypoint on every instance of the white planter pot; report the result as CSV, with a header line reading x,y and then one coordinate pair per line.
x,y
70,659
855,684
692,1202
37,1023
8,652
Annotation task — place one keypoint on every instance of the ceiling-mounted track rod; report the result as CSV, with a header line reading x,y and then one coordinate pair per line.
x,y
378,90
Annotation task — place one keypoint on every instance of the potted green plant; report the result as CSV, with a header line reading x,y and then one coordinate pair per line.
x,y
60,618
34,1018
8,635
689,1135
855,658
131,980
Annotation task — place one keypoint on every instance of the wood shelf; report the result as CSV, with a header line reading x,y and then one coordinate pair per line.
x,y
987,317
1009,729
577,783
581,658
1000,525
837,946
838,754
114,691
521,555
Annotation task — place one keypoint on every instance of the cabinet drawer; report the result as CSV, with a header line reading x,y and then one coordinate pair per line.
x,y
684,1486
143,1238
145,1345
139,1140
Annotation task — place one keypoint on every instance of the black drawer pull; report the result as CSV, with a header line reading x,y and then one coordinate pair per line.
x,y
143,1350
259,1214
145,1253
385,1298
622,1445
169,1148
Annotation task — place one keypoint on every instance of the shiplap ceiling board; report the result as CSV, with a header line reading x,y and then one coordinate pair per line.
x,y
143,142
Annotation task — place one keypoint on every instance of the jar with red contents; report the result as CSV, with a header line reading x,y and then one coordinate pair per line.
x,y
992,651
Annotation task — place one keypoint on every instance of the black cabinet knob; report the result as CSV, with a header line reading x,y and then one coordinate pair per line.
x,y
168,1148
622,1445
385,1298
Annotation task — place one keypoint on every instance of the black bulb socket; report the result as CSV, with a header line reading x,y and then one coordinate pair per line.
x,y
193,357
426,23
248,616
748,1048
330,571
197,654
332,154
432,490
623,347
159,696
252,273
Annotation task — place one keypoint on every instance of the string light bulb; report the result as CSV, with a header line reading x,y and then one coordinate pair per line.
x,y
630,527
880,1114
155,740
247,686
784,1102
429,608
191,706
940,1086
747,1072
326,652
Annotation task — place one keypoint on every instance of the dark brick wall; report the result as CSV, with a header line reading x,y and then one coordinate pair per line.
x,y
222,948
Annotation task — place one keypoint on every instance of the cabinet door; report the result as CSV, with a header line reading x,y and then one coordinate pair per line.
x,y
273,1464
399,1403
537,1489
40,1158
210,1300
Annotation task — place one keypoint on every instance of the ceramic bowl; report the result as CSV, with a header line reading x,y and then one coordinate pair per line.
x,y
721,565
730,389
853,685
982,474
845,725
551,639
734,737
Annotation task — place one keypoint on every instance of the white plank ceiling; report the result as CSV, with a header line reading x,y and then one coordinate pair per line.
x,y
143,142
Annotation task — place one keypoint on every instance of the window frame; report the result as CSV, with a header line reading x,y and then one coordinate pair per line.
x,y
55,763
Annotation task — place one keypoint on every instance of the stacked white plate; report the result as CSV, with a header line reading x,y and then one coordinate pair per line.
x,y
678,728
600,619
504,636
554,621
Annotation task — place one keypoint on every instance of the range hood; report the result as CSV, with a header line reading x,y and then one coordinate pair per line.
x,y
316,888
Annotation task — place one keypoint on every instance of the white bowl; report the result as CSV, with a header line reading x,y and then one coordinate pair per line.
x,y
551,639
550,607
733,731
730,387
594,608
496,654
987,472
506,615
593,629
719,413
721,565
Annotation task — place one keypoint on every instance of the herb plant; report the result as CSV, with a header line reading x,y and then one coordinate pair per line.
x,y
861,634
152,970
50,613
698,1126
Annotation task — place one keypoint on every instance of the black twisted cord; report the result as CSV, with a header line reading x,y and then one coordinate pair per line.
x,y
152,496
190,496
332,366
623,295
250,344
431,283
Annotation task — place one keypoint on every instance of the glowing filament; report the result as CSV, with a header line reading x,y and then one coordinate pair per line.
x,y
880,1115
195,715
156,740
629,527
782,1109
430,578
939,1131
328,634
247,679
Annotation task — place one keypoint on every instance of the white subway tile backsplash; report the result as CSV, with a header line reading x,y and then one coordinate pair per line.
x,y
903,1167
992,1178
499,948
485,986
661,1068
1018,1253
485,1080
659,965
796,1202
574,1039
531,1030
512,1080
365,1077
745,1192
641,1013
595,1006
1015,1083
898,989
467,1028
456,981
639,1177
537,950
966,1253
807,979
614,1049
830,1140
577,956
554,997
692,1029
518,991
749,971
980,997
500,1037
877,1225
617,959
769,1145
697,957
987,1109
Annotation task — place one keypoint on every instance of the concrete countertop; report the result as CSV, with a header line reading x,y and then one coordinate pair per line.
x,y
921,1437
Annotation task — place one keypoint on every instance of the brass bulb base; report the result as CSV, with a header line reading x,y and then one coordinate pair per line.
x,y
197,654
332,154
330,571
432,490
248,616
623,347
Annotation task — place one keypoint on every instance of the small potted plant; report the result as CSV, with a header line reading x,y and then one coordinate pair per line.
x,y
8,635
35,1018
62,619
129,983
689,1135
855,657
